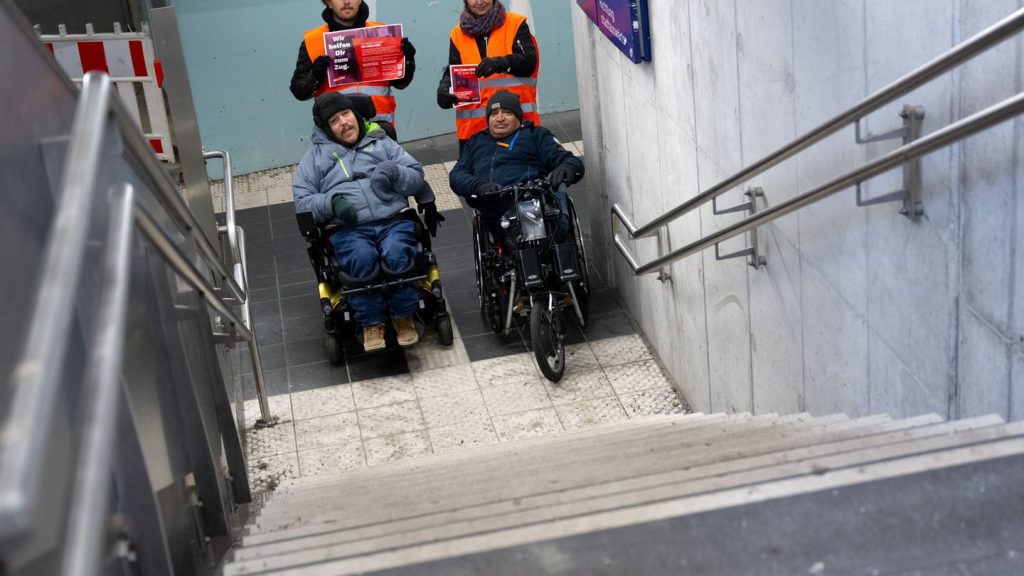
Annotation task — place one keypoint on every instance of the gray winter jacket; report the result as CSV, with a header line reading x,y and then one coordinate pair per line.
x,y
328,169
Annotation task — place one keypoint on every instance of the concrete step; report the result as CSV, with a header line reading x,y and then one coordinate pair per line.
x,y
946,517
502,454
638,490
516,480
562,444
529,471
515,506
752,455
621,510
598,434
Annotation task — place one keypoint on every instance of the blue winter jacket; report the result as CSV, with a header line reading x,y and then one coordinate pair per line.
x,y
530,152
329,169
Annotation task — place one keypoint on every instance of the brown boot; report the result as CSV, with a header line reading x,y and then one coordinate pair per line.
x,y
406,329
373,337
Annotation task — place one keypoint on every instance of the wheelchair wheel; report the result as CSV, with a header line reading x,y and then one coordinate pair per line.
x,y
493,298
548,341
478,257
581,286
445,333
335,351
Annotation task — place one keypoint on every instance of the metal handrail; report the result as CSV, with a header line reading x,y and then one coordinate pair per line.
x,y
254,351
165,190
181,265
243,265
91,491
240,269
975,123
229,203
966,50
36,377
167,193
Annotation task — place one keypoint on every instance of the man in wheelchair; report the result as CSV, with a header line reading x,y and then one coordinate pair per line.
x,y
356,182
510,152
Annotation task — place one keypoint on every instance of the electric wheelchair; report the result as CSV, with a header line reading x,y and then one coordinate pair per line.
x,y
335,286
526,266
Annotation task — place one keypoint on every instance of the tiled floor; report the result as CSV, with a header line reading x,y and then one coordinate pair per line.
x,y
426,399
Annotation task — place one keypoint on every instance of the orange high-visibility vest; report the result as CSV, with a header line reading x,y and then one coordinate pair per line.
x,y
379,92
472,118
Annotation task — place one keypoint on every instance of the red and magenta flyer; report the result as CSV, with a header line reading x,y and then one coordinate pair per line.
x,y
371,54
465,84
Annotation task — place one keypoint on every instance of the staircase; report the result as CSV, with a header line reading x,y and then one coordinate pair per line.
x,y
688,494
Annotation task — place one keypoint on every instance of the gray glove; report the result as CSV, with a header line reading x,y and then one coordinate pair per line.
x,y
384,177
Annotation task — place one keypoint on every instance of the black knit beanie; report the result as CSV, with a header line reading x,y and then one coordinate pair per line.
x,y
329,104
508,101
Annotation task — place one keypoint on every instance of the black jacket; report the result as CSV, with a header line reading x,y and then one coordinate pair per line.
x,y
529,153
523,59
304,83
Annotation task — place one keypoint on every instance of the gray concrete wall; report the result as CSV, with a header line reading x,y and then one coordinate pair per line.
x,y
859,310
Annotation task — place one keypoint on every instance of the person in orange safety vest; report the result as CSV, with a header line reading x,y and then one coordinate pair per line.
x,y
310,76
506,55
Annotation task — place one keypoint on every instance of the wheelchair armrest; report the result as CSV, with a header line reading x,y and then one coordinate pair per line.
x,y
308,226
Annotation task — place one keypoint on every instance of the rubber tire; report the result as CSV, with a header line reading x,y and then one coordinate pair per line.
x,y
544,336
335,351
492,313
478,262
445,333
582,286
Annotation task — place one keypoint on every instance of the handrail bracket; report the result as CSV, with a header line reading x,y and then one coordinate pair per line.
x,y
910,194
755,259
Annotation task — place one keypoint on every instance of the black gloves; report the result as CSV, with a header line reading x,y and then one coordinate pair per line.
x,y
563,174
320,68
408,50
485,188
446,100
493,66
344,213
431,217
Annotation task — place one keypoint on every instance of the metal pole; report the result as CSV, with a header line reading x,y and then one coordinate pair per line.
x,y
254,350
35,378
975,123
86,524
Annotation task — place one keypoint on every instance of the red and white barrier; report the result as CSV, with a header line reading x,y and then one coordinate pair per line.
x,y
129,59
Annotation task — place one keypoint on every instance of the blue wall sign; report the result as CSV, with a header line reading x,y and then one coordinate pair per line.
x,y
624,22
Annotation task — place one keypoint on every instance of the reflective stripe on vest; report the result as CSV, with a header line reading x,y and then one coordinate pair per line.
x,y
365,89
482,112
389,118
507,82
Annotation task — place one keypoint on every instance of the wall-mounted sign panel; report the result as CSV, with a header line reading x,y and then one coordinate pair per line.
x,y
625,23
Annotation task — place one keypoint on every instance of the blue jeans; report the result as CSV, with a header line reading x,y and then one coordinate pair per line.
x,y
359,249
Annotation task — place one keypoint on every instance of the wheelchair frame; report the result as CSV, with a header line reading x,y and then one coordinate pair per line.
x,y
503,288
334,286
